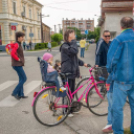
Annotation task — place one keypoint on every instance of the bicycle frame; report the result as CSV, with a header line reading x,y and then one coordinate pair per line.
x,y
89,87
70,95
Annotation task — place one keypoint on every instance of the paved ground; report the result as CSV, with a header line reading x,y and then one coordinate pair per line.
x,y
17,117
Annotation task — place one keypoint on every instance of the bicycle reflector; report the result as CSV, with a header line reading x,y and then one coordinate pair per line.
x,y
35,93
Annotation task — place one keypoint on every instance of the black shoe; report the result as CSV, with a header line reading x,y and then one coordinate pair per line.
x,y
16,97
24,97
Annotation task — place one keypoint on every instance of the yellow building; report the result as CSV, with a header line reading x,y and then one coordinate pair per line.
x,y
20,15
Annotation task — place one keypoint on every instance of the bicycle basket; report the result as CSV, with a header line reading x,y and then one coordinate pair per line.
x,y
100,72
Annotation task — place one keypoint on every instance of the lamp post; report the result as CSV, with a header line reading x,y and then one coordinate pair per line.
x,y
42,16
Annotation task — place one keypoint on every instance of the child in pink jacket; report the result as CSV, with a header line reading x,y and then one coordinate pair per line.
x,y
49,59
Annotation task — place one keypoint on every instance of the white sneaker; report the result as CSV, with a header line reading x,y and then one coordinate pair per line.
x,y
107,129
63,88
70,115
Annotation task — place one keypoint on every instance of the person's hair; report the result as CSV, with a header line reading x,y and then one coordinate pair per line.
x,y
57,61
126,22
18,35
66,34
106,31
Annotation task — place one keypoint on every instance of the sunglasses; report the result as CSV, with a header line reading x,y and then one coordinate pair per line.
x,y
107,36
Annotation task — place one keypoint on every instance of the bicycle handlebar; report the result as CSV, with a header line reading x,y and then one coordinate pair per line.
x,y
88,65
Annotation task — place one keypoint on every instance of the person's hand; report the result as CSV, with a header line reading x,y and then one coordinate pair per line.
x,y
19,60
85,65
96,65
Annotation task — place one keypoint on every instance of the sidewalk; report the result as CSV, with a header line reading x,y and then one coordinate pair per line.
x,y
85,122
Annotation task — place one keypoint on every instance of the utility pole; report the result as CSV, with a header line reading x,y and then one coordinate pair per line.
x,y
59,27
41,16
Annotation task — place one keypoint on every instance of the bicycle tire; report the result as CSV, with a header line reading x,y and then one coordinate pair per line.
x,y
78,85
37,117
98,104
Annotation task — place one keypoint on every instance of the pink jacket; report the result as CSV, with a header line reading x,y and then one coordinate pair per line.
x,y
50,69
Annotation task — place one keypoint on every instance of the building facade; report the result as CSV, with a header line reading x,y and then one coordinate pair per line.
x,y
20,15
82,25
112,11
46,33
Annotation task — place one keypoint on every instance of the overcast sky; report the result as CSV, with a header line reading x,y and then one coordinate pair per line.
x,y
59,9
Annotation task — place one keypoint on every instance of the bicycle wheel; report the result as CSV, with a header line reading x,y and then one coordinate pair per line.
x,y
97,105
48,108
78,94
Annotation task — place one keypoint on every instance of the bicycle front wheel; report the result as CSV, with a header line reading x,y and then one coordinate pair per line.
x,y
50,110
95,103
85,82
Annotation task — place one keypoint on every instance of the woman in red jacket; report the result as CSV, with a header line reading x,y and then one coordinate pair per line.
x,y
17,64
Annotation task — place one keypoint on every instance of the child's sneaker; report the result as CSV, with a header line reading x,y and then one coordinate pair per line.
x,y
70,115
107,129
63,88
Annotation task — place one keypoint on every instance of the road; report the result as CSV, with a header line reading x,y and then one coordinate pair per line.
x,y
17,116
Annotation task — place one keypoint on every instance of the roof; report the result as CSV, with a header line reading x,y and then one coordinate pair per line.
x,y
38,3
46,25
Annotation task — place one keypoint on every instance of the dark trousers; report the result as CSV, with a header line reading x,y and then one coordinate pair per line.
x,y
71,83
49,49
24,47
22,79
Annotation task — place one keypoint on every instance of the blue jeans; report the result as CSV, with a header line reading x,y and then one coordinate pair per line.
x,y
109,98
22,79
120,93
82,52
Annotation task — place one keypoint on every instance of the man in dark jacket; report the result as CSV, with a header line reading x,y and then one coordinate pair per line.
x,y
102,49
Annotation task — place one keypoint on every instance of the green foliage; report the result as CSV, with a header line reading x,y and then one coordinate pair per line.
x,y
40,46
54,44
57,38
94,35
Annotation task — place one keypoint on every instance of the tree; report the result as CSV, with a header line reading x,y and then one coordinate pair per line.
x,y
94,35
57,38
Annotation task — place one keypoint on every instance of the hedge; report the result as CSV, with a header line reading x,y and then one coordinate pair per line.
x,y
44,45
40,46
54,44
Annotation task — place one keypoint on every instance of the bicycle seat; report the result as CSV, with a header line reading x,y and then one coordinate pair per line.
x,y
49,84
64,75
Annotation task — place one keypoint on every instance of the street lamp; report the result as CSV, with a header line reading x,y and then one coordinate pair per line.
x,y
42,16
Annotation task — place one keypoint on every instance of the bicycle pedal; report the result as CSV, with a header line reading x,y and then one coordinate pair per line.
x,y
59,118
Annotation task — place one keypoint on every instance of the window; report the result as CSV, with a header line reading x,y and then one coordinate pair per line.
x,y
24,10
30,13
30,29
38,33
14,7
38,15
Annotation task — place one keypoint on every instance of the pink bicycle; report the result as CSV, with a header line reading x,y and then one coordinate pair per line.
x,y
50,110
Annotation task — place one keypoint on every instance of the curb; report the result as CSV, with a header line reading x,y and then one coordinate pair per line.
x,y
75,127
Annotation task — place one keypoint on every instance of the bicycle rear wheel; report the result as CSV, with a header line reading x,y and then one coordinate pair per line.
x,y
49,110
95,103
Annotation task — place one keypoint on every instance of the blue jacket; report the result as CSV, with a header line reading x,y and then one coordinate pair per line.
x,y
120,59
101,53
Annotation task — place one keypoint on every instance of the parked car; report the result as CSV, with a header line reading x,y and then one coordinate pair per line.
x,y
78,43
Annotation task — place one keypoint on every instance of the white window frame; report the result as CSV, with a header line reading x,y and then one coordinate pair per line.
x,y
15,7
